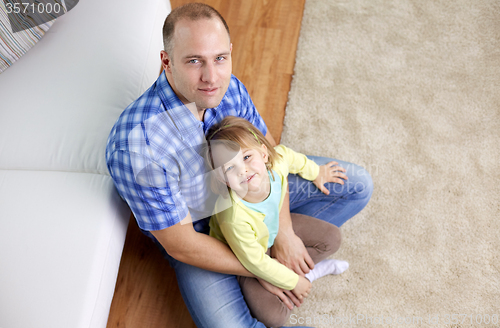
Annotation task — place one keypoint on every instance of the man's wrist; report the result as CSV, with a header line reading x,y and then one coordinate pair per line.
x,y
284,231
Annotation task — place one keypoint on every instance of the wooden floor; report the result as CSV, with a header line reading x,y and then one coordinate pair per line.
x,y
264,34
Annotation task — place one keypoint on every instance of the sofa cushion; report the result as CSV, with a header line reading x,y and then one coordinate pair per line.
x,y
62,222
60,246
60,102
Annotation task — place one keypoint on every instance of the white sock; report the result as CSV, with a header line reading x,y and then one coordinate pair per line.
x,y
327,267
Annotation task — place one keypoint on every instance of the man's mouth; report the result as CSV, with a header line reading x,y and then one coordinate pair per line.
x,y
209,91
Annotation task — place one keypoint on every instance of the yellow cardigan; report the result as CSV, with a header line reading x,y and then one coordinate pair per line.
x,y
246,233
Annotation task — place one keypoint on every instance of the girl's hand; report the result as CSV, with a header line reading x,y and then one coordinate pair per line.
x,y
329,172
286,296
302,289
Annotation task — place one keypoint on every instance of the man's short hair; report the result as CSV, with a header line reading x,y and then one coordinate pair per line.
x,y
192,11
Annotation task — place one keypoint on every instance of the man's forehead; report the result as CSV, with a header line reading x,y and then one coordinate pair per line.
x,y
205,38
200,26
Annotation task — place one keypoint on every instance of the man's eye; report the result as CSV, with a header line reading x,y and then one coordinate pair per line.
x,y
193,61
220,58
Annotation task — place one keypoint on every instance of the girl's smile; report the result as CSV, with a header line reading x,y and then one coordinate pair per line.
x,y
247,180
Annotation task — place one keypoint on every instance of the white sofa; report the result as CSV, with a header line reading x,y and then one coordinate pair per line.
x,y
62,224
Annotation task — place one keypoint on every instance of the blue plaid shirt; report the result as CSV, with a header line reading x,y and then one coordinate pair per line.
x,y
154,153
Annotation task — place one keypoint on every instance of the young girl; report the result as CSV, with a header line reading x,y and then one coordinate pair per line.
x,y
256,175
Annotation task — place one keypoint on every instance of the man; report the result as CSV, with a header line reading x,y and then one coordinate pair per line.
x,y
152,156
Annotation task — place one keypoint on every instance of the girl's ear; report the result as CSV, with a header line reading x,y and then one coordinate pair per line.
x,y
220,175
265,153
219,184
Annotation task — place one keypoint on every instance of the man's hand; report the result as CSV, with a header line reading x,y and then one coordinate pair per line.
x,y
286,296
290,251
329,172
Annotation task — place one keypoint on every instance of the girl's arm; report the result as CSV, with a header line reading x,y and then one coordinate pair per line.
x,y
299,164
243,239
270,138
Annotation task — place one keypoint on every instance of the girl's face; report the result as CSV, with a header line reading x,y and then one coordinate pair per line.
x,y
246,173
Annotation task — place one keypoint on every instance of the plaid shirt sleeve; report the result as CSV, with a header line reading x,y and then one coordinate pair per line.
x,y
152,195
142,175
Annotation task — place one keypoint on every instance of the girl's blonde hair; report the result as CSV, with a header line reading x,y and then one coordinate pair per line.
x,y
233,132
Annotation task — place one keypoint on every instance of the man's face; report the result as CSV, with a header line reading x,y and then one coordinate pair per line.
x,y
199,68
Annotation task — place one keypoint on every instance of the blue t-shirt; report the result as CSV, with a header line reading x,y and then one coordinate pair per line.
x,y
270,208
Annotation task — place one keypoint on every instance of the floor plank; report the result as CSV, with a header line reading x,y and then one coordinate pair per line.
x,y
264,34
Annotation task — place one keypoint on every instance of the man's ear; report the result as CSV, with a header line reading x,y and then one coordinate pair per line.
x,y
166,62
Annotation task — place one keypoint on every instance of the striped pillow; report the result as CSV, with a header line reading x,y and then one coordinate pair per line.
x,y
14,45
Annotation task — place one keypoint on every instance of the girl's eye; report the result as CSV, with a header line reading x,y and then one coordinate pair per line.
x,y
228,168
246,157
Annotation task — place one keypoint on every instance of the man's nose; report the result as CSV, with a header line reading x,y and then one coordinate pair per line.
x,y
209,73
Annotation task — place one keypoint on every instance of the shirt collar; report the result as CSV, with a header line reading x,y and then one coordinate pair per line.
x,y
166,93
187,125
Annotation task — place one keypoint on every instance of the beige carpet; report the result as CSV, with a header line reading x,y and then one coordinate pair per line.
x,y
411,91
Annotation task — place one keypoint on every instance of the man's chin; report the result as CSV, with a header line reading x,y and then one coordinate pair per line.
x,y
209,103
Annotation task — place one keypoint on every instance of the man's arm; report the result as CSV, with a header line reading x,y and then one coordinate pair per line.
x,y
288,247
184,244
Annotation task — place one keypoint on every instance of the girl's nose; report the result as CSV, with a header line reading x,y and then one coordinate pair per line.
x,y
242,170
